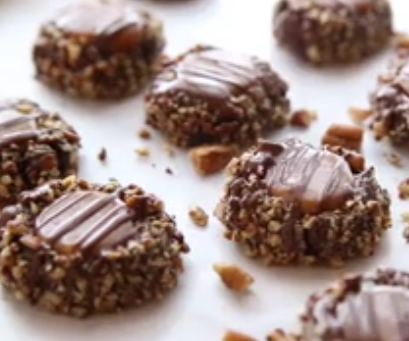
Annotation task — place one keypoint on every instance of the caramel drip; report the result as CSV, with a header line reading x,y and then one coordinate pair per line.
x,y
86,220
317,178
378,314
98,17
213,74
16,127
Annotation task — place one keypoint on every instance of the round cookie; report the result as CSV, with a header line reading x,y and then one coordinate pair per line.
x,y
333,31
35,146
77,249
292,203
372,306
389,103
209,95
98,49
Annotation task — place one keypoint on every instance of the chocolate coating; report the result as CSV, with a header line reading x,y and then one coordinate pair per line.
x,y
108,247
390,103
219,96
333,31
289,202
371,307
35,146
99,49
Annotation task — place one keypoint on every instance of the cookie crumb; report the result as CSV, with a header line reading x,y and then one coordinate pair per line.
x,y
303,118
211,159
102,155
359,115
403,189
143,152
199,216
232,335
169,171
233,277
394,159
144,134
343,135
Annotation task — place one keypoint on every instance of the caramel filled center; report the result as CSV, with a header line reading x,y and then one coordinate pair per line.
x,y
317,178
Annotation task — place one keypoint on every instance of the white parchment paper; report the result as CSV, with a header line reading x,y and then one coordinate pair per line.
x,y
201,309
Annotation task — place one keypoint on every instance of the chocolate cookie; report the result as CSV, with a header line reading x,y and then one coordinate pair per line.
x,y
333,31
373,306
293,203
210,96
35,146
98,49
76,248
389,103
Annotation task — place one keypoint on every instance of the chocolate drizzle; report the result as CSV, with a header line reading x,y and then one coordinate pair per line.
x,y
16,127
380,313
211,74
316,178
86,221
98,17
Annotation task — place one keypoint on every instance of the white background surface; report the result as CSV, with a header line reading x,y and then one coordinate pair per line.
x,y
201,309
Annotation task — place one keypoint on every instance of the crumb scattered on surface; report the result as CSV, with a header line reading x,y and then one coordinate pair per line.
x,y
359,115
401,40
233,276
169,151
102,155
208,160
232,335
144,134
303,118
379,130
143,152
280,335
394,159
403,189
199,216
344,135
169,171
405,217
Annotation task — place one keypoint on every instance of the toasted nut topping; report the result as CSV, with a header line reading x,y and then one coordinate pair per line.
x,y
233,277
144,134
143,152
404,189
359,115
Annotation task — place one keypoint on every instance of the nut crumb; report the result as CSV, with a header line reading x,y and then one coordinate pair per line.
x,y
303,118
401,40
405,217
199,216
169,151
379,130
143,152
102,155
280,335
169,171
232,335
403,189
233,277
394,159
144,134
343,135
208,160
359,115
